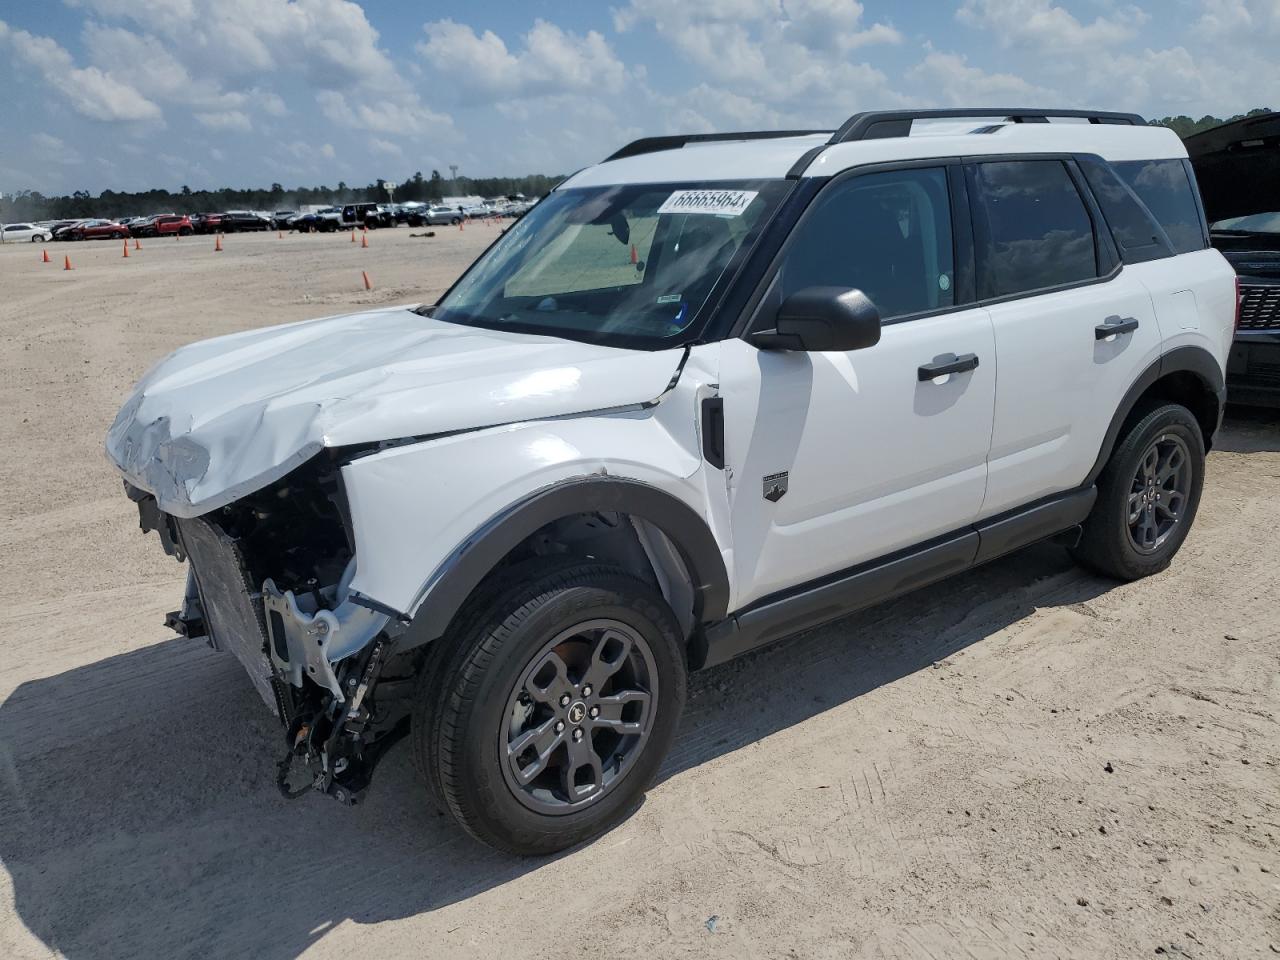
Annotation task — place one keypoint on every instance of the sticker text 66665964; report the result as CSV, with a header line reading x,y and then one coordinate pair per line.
x,y
726,203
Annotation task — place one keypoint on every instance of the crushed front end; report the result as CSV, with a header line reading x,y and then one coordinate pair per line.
x,y
269,581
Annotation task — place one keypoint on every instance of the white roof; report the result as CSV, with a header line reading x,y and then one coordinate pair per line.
x,y
773,158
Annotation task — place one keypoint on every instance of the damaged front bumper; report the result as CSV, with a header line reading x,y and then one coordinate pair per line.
x,y
315,656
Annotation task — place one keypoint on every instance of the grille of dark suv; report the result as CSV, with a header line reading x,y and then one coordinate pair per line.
x,y
1260,307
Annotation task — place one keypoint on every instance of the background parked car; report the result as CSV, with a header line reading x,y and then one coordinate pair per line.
x,y
234,221
1238,166
207,222
60,228
436,216
280,219
97,230
163,226
13,232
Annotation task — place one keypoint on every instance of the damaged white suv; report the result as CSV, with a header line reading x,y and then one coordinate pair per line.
x,y
712,391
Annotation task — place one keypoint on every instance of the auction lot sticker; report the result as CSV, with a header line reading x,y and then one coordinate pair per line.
x,y
726,203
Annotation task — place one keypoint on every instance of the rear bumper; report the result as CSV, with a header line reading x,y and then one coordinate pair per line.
x,y
1253,368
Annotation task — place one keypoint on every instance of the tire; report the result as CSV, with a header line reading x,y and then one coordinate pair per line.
x,y
184,231
475,685
1111,544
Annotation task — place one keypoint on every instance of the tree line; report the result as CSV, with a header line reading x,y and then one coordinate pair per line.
x,y
1184,126
110,204
32,205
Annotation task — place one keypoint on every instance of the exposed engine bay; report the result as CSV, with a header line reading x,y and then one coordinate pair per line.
x,y
268,581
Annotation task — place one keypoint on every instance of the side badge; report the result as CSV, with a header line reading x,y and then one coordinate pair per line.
x,y
775,486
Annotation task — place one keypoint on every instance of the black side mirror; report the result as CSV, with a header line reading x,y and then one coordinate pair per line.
x,y
823,318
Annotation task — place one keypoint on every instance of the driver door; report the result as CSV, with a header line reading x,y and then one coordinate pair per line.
x,y
838,458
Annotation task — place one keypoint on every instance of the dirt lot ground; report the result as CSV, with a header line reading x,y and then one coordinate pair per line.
x,y
1027,761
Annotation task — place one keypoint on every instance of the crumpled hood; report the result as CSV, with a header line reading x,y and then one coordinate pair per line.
x,y
221,418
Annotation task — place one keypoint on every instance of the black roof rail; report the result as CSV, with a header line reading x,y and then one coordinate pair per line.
x,y
653,144
877,124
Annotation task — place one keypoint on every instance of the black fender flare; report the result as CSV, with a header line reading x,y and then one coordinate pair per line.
x,y
1191,359
472,561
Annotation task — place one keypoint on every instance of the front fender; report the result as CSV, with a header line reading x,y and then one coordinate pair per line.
x,y
431,519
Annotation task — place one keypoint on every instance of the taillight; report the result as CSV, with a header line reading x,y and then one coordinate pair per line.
x,y
1239,301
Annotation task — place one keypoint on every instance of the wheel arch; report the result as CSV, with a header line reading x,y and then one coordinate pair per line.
x,y
1188,375
680,526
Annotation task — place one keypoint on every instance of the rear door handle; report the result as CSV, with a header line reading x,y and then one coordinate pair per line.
x,y
940,368
1104,330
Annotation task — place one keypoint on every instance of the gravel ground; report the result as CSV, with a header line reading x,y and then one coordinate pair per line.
x,y
1027,761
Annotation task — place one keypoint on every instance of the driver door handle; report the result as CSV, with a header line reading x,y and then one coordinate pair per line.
x,y
940,368
1104,330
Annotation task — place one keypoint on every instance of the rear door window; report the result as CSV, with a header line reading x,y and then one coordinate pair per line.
x,y
1032,228
1164,187
1139,237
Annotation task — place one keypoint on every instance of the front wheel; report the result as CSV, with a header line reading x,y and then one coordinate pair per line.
x,y
547,714
1148,494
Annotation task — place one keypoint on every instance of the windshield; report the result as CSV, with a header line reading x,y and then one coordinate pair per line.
x,y
1254,223
630,265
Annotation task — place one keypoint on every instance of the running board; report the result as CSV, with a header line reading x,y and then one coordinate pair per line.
x,y
849,591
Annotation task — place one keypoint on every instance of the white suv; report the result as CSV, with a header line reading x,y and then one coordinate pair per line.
x,y
707,393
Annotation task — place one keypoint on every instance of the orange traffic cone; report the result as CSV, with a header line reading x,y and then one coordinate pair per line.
x,y
364,241
126,248
459,226
353,234
45,258
217,244
279,234
137,244
66,262
367,284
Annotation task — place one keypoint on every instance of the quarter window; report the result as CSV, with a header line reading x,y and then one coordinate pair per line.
x,y
886,234
1164,187
1033,229
1139,237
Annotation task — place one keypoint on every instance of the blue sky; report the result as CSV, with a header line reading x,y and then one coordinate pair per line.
x,y
130,94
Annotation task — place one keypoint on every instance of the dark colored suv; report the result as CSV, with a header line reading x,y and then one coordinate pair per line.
x,y
1238,166
234,221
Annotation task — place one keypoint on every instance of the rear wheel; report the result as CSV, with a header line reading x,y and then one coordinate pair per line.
x,y
552,707
1148,494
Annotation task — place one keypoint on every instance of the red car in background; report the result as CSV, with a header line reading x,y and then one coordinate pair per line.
x,y
96,230
207,222
163,226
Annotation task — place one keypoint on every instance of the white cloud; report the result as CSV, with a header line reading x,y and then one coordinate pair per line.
x,y
796,60
51,149
385,147
549,61
88,90
950,80
404,115
224,120
215,55
1046,25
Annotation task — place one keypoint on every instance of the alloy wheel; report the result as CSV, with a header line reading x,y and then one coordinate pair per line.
x,y
579,716
1158,493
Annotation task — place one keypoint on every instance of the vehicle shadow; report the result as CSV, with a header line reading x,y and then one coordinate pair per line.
x,y
1249,430
138,815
